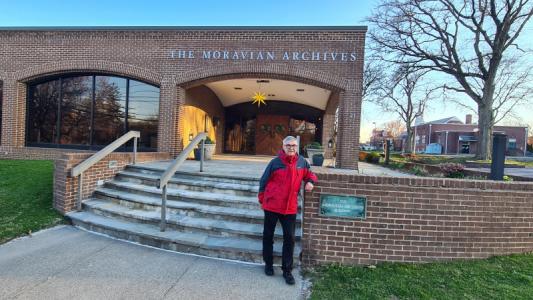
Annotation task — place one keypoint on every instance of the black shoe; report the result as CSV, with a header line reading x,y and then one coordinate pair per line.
x,y
288,278
269,270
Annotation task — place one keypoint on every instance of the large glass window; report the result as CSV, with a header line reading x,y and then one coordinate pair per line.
x,y
91,111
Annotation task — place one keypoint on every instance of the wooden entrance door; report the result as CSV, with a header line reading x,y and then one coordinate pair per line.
x,y
269,133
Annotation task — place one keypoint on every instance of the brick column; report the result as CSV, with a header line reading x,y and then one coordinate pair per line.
x,y
171,102
328,123
13,113
348,132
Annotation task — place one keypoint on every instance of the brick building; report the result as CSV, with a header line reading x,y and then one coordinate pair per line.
x,y
452,136
80,88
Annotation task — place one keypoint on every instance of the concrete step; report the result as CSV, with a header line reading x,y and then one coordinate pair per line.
x,y
228,178
186,195
191,184
182,223
133,200
242,249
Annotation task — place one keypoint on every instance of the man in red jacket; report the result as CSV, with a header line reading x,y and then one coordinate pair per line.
x,y
278,195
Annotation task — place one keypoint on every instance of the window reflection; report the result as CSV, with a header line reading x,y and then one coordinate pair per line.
x,y
93,110
42,105
143,112
76,105
109,109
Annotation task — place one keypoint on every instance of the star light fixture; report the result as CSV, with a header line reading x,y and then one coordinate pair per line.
x,y
259,98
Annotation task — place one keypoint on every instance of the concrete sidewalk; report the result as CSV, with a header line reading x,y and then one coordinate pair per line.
x,y
67,263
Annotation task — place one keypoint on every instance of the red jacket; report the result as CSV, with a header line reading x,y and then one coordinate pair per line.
x,y
280,183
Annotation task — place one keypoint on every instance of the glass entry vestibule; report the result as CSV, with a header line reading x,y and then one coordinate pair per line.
x,y
252,129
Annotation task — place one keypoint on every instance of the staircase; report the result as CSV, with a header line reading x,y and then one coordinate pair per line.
x,y
207,214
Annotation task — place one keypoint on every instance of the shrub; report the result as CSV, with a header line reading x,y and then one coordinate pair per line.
x,y
373,157
507,178
362,155
452,170
313,145
208,140
418,171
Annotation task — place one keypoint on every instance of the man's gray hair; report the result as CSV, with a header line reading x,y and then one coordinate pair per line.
x,y
289,139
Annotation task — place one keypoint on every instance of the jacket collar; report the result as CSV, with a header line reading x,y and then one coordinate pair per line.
x,y
286,158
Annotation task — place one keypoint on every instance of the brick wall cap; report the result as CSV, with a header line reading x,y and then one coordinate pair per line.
x,y
346,175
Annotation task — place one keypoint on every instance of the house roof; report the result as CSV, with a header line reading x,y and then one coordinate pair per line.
x,y
449,120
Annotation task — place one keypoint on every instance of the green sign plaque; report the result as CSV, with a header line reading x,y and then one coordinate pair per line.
x,y
342,206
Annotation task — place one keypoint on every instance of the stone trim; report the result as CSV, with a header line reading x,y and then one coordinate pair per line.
x,y
113,68
274,70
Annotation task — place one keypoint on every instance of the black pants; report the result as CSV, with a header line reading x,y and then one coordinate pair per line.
x,y
288,225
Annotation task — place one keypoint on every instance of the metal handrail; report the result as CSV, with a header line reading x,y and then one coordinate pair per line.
x,y
98,156
163,180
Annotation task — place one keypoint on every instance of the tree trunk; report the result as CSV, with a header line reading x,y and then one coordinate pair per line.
x,y
486,120
408,147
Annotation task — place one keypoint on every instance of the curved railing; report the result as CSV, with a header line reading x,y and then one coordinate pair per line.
x,y
98,156
163,180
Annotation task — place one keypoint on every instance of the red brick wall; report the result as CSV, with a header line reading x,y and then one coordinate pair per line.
x,y
66,187
418,220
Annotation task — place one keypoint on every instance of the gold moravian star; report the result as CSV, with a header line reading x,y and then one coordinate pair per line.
x,y
259,98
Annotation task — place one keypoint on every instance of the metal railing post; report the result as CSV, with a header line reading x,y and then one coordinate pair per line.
x,y
202,149
163,224
80,191
134,150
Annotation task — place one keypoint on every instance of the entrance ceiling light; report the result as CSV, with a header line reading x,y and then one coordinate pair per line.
x,y
259,98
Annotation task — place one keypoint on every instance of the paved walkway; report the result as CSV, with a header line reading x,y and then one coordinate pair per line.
x,y
67,263
253,166
522,172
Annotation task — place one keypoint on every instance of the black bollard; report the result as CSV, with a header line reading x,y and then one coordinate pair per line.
x,y
499,142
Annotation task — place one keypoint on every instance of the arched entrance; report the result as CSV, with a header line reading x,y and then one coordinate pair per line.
x,y
345,95
245,126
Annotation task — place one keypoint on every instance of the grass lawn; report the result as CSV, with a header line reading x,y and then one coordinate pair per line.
x,y
501,277
25,197
438,159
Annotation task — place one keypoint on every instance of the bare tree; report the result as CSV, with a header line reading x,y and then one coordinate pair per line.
x,y
405,94
465,39
372,76
395,128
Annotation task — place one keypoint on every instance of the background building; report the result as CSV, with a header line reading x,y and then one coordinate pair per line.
x,y
452,136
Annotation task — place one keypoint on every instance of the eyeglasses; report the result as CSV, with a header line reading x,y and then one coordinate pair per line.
x,y
291,146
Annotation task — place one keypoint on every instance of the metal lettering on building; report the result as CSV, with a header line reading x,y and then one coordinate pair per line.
x,y
258,55
342,206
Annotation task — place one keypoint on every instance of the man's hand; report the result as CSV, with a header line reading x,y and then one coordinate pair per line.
x,y
309,187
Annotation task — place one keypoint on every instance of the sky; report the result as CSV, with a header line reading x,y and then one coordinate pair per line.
x,y
220,13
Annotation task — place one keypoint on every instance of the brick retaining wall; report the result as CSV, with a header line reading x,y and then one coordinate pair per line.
x,y
418,220
66,187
